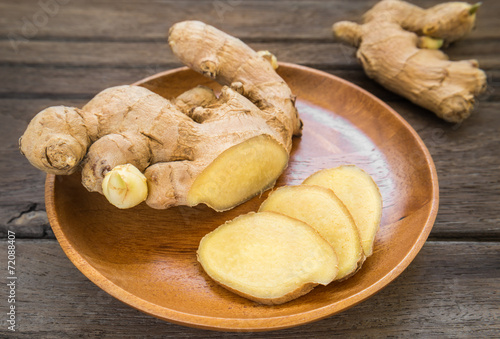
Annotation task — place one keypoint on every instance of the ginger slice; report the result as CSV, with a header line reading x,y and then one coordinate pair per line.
x,y
239,173
359,193
321,209
267,257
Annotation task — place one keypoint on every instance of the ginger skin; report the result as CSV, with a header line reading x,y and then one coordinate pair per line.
x,y
174,142
230,62
388,48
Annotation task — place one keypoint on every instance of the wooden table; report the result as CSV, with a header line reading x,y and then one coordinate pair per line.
x,y
63,52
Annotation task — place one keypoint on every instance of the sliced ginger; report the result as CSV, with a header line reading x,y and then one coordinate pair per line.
x,y
239,173
267,257
359,193
302,236
320,208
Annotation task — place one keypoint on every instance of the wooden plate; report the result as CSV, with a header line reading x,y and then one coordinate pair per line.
x,y
147,258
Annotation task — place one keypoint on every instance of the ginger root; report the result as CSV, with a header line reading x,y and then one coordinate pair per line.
x,y
125,186
391,52
267,257
197,148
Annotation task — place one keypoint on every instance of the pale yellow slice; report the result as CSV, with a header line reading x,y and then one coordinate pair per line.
x,y
267,257
239,173
359,193
320,208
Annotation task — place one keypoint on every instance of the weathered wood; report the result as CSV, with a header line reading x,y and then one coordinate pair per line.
x,y
450,290
35,82
465,156
58,83
156,56
257,20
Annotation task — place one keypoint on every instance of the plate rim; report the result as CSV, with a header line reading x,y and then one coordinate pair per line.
x,y
251,324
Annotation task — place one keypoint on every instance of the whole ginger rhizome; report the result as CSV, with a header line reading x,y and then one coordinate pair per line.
x,y
197,148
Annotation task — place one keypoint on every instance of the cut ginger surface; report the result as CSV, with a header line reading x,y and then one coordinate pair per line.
x,y
321,209
267,257
239,173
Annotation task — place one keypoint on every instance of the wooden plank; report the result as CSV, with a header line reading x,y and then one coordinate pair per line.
x,y
450,290
35,82
157,55
137,20
45,82
63,53
466,158
153,55
469,192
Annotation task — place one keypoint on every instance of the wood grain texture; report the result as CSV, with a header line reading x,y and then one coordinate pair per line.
x,y
450,290
156,55
257,20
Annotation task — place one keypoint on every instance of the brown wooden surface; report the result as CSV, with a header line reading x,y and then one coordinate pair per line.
x,y
450,290
147,258
443,294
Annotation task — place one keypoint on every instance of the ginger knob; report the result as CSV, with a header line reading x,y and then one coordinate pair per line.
x,y
125,186
269,57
